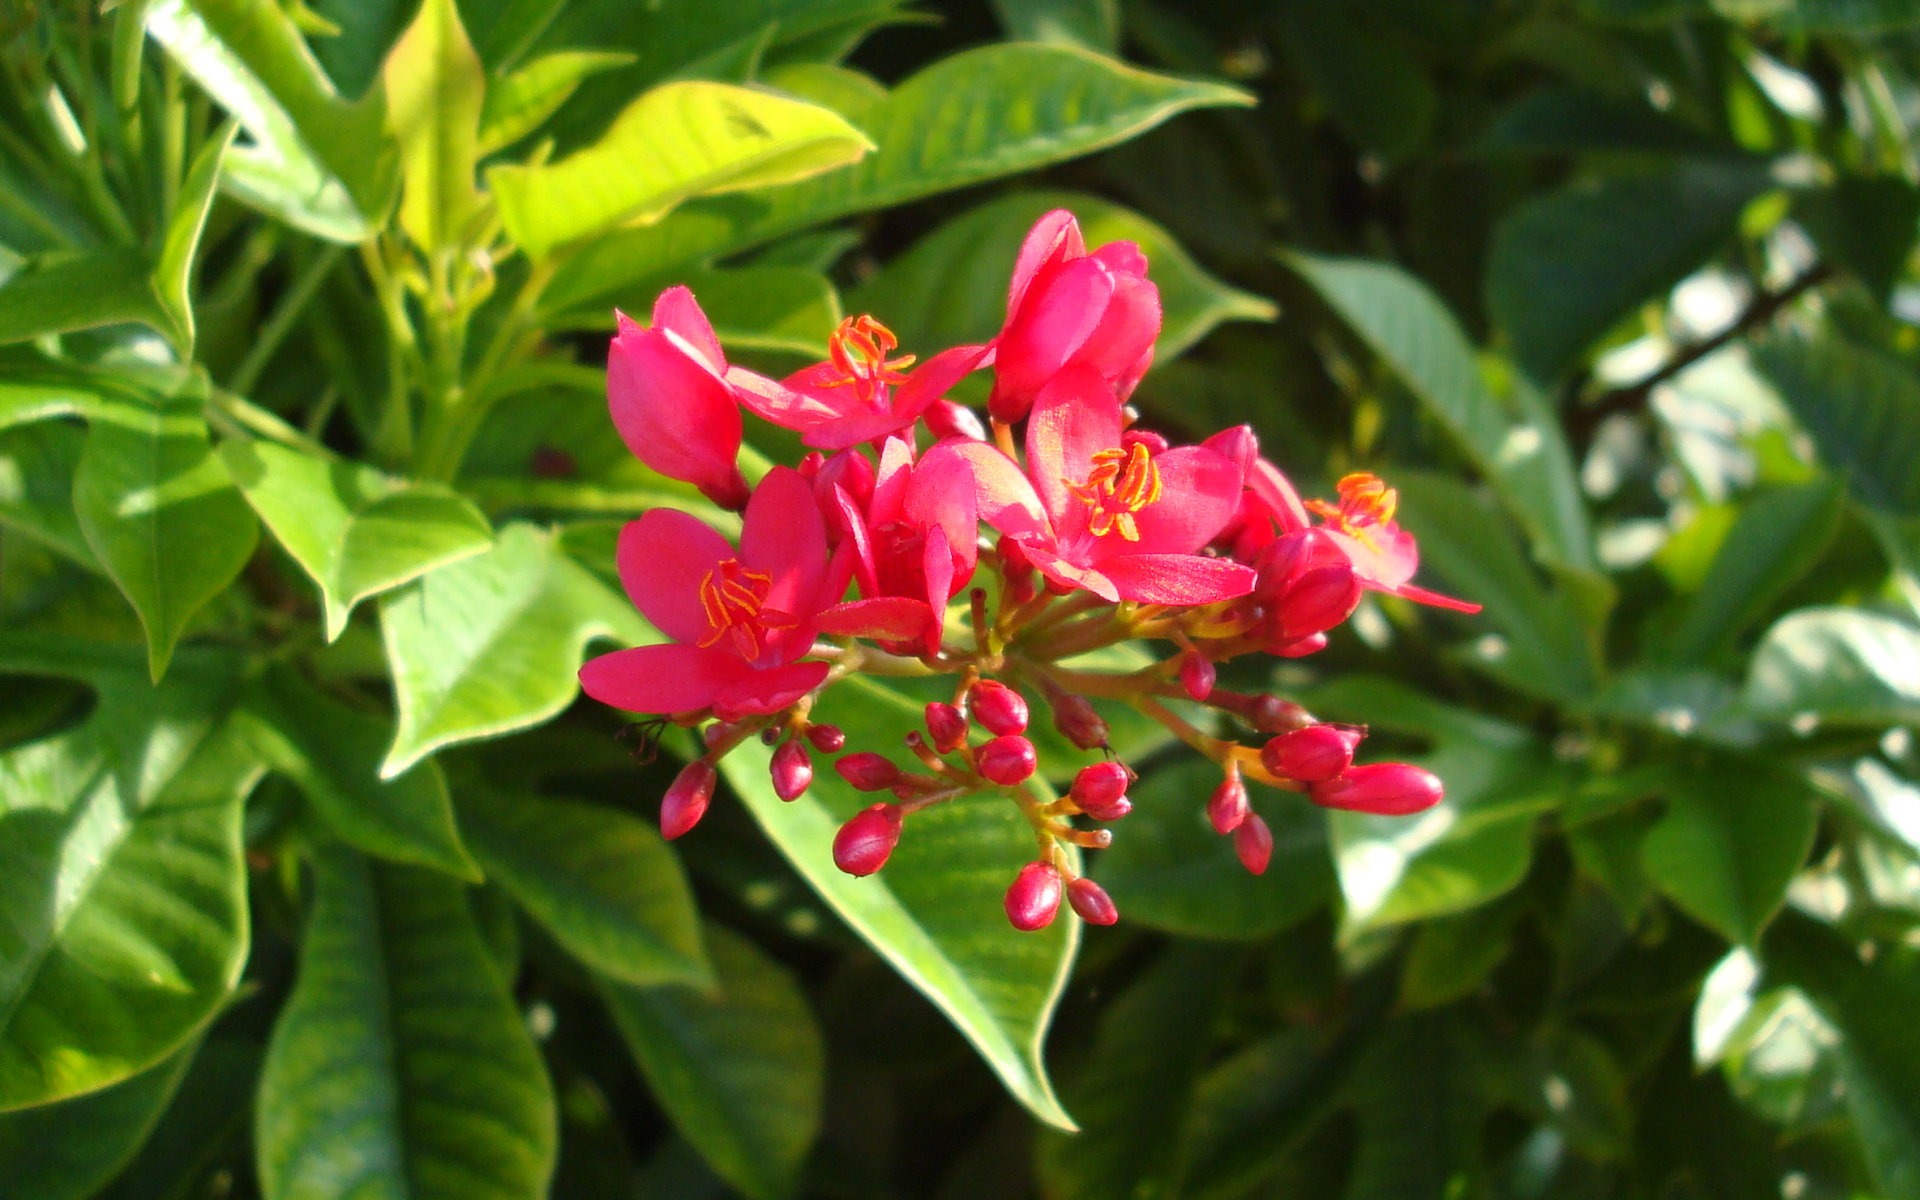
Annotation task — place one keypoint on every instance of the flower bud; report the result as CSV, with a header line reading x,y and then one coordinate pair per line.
x,y
1034,896
1271,714
946,727
827,739
1253,842
687,799
1383,789
792,770
1314,754
1228,807
1313,643
1091,901
867,771
1320,599
1008,759
864,842
1197,674
1075,718
947,419
1099,785
997,707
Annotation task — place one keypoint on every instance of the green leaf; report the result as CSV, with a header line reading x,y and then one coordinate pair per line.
x,y
316,160
1169,870
173,273
59,293
492,643
400,1068
1845,666
67,1151
678,141
435,87
200,1127
1777,539
935,913
1862,407
1517,444
160,512
1733,835
603,883
975,116
1866,224
518,102
121,884
1450,957
1089,24
951,287
1251,1108
1369,83
356,531
1561,120
741,1072
788,309
1567,265
37,465
332,753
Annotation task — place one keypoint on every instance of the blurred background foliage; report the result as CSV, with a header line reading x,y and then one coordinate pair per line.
x,y
304,304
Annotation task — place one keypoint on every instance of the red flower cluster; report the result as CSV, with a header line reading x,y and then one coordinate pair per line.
x,y
1101,532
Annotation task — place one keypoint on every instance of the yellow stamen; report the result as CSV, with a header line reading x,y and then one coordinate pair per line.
x,y
731,597
1366,503
1123,481
858,349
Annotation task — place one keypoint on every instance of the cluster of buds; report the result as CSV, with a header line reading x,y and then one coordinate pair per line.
x,y
1056,528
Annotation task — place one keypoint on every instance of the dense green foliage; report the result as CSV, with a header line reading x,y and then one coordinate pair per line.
x,y
317,879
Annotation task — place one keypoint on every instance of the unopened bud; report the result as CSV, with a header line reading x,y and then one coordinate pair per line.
x,y
1197,674
827,739
1228,807
1271,714
1109,812
1100,784
1075,718
1314,754
1320,599
1313,643
947,419
687,799
792,770
731,494
1091,901
864,842
1034,896
997,707
867,771
1008,759
1383,789
1253,842
946,727
717,732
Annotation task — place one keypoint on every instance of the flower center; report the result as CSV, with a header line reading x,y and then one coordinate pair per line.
x,y
858,348
1123,481
732,597
1366,503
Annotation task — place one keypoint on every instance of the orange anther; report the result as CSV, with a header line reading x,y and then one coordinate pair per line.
x,y
1123,481
732,596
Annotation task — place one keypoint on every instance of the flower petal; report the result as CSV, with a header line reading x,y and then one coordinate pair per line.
x,y
661,679
676,415
1055,237
783,535
678,313
1199,491
662,557
1062,307
1069,574
1177,578
1075,417
884,618
1003,496
769,691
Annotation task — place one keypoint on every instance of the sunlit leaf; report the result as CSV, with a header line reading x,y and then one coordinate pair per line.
x,y
1731,838
1841,665
66,1151
519,101
435,88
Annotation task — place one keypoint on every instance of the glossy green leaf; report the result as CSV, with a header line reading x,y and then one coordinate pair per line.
x,y
1844,666
356,531
160,512
1169,870
1566,266
71,290
601,881
1090,24
935,913
975,116
1253,1106
1516,443
37,465
676,142
518,102
492,643
399,1067
66,1151
1865,224
173,273
1862,407
332,753
1416,1100
951,287
1733,835
780,308
199,1128
122,888
741,1071
435,87
1777,538
1561,120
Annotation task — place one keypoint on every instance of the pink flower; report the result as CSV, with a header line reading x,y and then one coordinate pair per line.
x,y
859,394
1106,511
1384,556
739,620
669,397
1067,307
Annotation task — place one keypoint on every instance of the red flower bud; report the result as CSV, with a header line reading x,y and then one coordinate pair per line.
x,y
1075,718
792,770
1091,901
1008,759
827,739
1228,807
946,727
1314,754
1253,842
1271,714
868,771
1099,785
997,707
1384,789
687,799
1319,600
1197,674
1313,643
1034,896
864,842
947,419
